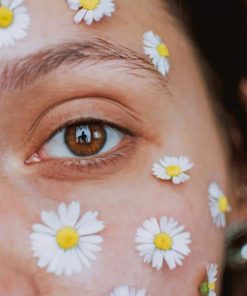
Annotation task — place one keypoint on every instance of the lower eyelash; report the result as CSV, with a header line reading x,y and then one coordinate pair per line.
x,y
86,165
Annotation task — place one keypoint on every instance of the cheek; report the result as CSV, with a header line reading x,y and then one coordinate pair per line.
x,y
130,201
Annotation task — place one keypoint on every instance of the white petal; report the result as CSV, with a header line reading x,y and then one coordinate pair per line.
x,y
152,226
80,16
214,190
51,220
73,213
63,215
160,172
157,261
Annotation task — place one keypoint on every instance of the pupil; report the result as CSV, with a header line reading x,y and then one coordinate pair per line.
x,y
85,140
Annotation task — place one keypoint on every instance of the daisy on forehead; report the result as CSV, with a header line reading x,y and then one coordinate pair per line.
x,y
173,168
65,241
218,204
158,52
91,10
207,288
127,291
14,22
163,240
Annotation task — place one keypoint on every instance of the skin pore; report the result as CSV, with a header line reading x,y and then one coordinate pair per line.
x,y
111,81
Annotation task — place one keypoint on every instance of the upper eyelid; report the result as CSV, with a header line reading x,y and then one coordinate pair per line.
x,y
45,112
87,121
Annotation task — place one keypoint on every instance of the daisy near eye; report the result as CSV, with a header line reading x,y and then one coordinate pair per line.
x,y
158,52
14,22
65,241
91,10
218,204
162,241
207,288
127,291
172,168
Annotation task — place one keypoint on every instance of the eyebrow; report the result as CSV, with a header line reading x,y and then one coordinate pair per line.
x,y
20,73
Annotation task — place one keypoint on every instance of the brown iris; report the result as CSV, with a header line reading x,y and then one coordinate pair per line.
x,y
85,140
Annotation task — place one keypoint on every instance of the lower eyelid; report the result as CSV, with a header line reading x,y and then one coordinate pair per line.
x,y
76,169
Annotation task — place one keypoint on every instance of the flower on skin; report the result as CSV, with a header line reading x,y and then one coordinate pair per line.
x,y
173,168
14,22
162,241
91,10
218,204
158,52
208,288
127,291
65,241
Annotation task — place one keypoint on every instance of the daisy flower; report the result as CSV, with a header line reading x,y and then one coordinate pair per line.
x,y
162,241
14,22
127,291
208,288
156,49
91,10
65,241
218,204
173,168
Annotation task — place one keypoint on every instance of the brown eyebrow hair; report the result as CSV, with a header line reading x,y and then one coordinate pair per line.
x,y
18,73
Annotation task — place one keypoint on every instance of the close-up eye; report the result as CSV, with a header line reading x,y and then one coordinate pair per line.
x,y
82,140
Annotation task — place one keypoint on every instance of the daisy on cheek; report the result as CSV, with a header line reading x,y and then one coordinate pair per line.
x,y
64,243
218,204
208,288
162,241
127,291
173,168
14,22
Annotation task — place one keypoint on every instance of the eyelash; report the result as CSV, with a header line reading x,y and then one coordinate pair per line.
x,y
92,121
104,160
97,162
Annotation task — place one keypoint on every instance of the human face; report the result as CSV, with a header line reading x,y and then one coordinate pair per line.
x,y
105,77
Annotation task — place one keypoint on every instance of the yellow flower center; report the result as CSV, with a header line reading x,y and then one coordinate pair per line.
x,y
223,204
67,238
163,50
173,170
211,286
163,241
89,4
6,17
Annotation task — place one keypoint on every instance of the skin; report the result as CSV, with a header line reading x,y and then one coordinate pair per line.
x,y
176,119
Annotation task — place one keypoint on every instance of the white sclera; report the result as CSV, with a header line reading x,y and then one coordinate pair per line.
x,y
57,148
244,252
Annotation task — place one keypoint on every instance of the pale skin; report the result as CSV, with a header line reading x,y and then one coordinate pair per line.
x,y
174,121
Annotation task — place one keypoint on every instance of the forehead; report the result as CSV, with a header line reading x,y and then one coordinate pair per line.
x,y
52,23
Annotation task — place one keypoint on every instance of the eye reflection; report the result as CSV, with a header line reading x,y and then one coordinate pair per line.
x,y
85,140
82,140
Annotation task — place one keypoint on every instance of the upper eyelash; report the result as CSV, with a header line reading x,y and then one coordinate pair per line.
x,y
88,121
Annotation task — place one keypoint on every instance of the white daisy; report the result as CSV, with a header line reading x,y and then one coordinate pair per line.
x,y
173,168
162,241
218,204
156,49
66,241
208,288
14,22
91,10
127,291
